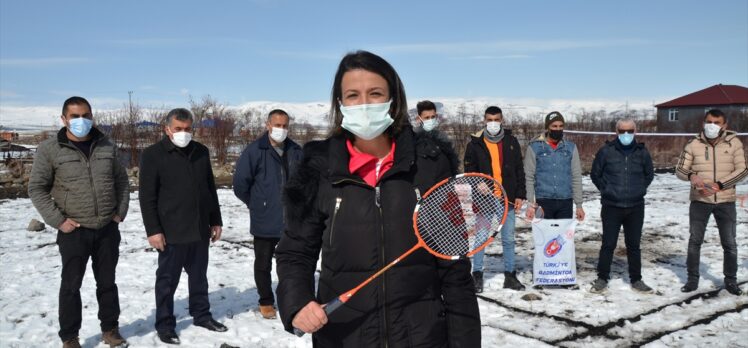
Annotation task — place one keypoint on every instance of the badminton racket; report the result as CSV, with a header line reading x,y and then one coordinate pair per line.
x,y
455,219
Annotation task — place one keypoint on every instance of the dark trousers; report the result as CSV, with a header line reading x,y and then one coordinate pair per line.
x,y
632,220
193,257
557,208
264,250
102,246
726,216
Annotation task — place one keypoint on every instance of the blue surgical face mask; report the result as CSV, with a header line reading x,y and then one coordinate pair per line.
x,y
80,126
366,121
430,124
626,138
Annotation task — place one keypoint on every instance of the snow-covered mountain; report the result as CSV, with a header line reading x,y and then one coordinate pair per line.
x,y
35,118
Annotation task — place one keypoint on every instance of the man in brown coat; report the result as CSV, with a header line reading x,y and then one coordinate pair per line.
x,y
714,162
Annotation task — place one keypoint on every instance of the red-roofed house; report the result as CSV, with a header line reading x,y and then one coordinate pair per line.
x,y
685,114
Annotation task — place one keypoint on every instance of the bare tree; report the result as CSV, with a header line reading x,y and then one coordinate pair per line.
x,y
459,127
214,123
302,132
252,126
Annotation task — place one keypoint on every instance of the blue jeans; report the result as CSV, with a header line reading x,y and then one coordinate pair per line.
x,y
507,243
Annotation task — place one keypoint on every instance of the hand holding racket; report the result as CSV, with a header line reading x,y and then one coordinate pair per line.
x,y
444,221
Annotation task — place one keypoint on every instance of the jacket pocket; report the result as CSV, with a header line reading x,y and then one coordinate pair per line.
x,y
69,167
338,201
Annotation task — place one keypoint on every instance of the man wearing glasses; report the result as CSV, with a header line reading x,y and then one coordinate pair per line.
x,y
181,215
622,171
80,188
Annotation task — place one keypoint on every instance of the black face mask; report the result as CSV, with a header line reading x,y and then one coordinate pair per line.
x,y
556,135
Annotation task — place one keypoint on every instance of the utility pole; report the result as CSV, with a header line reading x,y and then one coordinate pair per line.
x,y
129,93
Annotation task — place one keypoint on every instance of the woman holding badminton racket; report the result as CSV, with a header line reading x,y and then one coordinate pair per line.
x,y
352,201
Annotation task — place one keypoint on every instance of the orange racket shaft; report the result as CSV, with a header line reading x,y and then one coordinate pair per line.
x,y
342,299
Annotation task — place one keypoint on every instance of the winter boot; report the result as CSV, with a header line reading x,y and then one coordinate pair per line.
x,y
511,281
71,343
478,281
113,339
691,285
733,288
267,311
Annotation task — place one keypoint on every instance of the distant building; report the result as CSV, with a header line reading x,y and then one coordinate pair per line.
x,y
685,114
9,136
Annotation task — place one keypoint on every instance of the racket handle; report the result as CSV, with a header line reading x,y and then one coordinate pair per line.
x,y
332,306
329,308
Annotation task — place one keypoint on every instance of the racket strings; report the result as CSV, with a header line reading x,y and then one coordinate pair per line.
x,y
460,215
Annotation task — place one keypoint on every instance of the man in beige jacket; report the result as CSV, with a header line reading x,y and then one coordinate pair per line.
x,y
714,162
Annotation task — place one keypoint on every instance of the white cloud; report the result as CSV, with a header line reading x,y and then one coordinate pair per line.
x,y
175,41
8,94
490,57
472,48
42,62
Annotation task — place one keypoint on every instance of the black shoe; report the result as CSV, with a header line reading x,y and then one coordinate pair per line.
x,y
599,286
212,325
478,281
733,288
511,281
642,287
169,337
691,285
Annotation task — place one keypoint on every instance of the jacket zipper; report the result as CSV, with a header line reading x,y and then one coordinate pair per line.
x,y
626,170
338,200
90,174
93,189
378,202
714,169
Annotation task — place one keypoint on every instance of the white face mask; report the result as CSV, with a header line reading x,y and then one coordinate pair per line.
x,y
430,124
366,121
711,130
493,127
278,134
181,139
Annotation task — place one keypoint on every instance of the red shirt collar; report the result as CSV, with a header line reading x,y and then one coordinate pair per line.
x,y
365,165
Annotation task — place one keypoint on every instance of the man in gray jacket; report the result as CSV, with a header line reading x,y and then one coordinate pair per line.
x,y
79,187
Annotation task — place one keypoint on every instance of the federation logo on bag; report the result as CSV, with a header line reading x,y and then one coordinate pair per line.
x,y
554,246
554,258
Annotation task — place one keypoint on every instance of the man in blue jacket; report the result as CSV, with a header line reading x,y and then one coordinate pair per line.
x,y
553,172
622,171
261,172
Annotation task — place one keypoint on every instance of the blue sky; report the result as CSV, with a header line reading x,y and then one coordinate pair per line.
x,y
240,51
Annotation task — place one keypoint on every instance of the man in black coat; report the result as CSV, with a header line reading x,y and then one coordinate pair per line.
x,y
622,171
495,152
261,172
181,214
438,157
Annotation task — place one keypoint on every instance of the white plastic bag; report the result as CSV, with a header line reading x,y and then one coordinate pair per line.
x,y
555,259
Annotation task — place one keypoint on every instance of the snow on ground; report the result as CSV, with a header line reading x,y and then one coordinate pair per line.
x,y
30,276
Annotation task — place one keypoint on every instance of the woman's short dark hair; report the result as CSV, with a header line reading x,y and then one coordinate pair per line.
x,y
373,63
